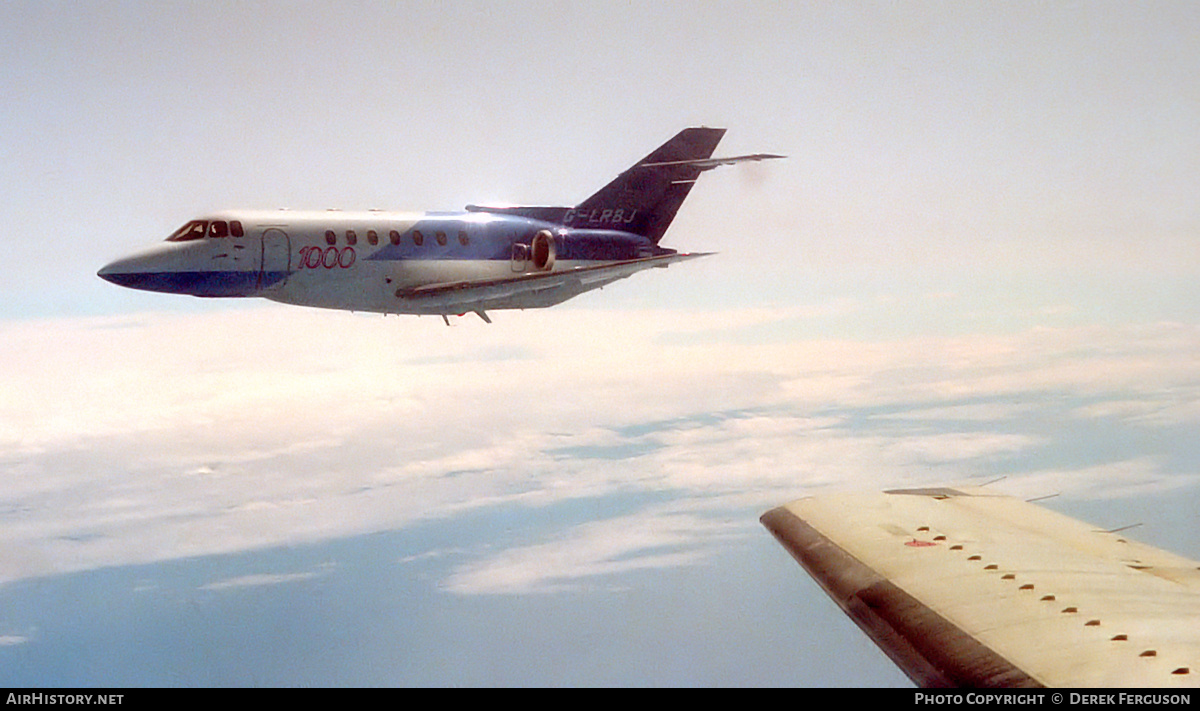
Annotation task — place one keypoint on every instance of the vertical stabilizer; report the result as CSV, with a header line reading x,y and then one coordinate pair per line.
x,y
644,199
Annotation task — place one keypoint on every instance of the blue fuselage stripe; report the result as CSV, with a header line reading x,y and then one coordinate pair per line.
x,y
200,283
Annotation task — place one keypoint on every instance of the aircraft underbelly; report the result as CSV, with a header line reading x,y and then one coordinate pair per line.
x,y
372,286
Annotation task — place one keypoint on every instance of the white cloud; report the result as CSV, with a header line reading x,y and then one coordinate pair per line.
x,y
974,412
1170,407
1111,480
140,439
12,640
591,553
260,579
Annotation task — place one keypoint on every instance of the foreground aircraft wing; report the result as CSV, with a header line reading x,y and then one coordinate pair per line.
x,y
531,290
964,587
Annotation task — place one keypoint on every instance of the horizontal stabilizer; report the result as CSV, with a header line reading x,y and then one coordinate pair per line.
x,y
710,163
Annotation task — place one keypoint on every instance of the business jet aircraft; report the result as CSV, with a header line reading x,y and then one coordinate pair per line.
x,y
435,263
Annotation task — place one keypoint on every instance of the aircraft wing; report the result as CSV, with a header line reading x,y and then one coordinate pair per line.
x,y
965,587
531,290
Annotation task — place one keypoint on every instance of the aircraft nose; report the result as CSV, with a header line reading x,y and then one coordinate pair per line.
x,y
113,272
185,268
127,271
153,269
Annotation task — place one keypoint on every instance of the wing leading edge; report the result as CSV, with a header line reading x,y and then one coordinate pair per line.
x,y
964,587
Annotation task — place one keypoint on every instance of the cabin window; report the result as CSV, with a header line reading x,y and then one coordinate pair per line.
x,y
463,239
418,238
218,228
372,237
441,238
395,236
330,237
235,228
351,237
192,230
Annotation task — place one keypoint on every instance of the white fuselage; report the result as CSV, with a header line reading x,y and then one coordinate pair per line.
x,y
373,261
514,257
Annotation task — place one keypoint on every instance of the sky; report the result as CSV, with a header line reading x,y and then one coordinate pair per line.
x,y
977,263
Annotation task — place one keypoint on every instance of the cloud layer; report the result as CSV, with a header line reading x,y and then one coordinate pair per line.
x,y
137,439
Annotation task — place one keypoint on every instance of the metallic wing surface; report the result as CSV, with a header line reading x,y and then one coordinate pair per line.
x,y
964,587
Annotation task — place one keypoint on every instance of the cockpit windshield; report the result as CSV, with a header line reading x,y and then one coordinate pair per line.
x,y
192,230
198,229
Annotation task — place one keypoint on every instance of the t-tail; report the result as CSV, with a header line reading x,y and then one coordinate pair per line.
x,y
643,200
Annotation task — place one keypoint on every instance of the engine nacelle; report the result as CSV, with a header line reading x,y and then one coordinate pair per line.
x,y
542,251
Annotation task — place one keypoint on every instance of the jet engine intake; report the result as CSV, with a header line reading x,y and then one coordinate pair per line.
x,y
542,251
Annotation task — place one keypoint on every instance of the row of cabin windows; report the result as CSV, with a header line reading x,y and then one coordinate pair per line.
x,y
197,229
418,237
